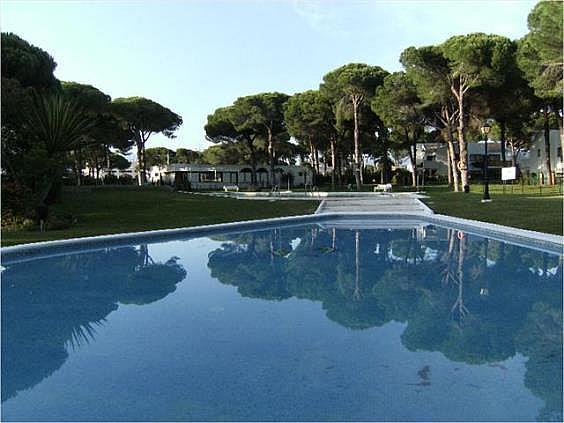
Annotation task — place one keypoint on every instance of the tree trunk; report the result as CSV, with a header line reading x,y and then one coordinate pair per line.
x,y
140,160
312,155
271,157
561,131
502,128
107,151
253,162
361,170
462,141
144,163
548,165
356,157
453,162
333,162
78,167
96,168
449,169
340,170
412,158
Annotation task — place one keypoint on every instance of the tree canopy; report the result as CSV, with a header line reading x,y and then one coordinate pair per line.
x,y
26,63
144,117
540,51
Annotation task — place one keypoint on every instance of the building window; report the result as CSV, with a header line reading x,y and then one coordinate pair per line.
x,y
538,153
559,153
210,176
431,158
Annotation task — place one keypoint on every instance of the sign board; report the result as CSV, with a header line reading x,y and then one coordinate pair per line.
x,y
508,173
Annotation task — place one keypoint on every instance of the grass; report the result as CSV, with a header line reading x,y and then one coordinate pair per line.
x,y
527,207
106,210
102,211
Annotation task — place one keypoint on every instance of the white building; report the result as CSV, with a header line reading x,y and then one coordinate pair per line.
x,y
432,157
534,160
210,177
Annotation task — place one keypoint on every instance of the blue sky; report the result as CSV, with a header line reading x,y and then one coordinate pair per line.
x,y
195,56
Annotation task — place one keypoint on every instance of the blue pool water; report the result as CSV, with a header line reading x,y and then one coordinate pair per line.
x,y
300,323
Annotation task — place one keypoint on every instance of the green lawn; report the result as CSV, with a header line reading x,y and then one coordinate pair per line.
x,y
107,210
534,208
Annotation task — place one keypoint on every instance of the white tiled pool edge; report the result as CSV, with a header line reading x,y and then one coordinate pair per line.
x,y
523,237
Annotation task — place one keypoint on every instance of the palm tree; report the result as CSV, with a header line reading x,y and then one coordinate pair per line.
x,y
55,126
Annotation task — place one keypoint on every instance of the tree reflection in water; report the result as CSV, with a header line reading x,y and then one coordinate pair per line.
x,y
43,315
476,300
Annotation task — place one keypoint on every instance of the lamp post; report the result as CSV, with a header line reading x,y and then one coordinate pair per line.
x,y
486,130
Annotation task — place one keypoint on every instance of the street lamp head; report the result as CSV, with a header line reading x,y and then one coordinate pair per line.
x,y
486,128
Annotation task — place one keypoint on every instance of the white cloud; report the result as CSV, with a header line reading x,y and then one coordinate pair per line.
x,y
322,16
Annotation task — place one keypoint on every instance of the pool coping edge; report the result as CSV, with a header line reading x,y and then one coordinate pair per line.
x,y
504,233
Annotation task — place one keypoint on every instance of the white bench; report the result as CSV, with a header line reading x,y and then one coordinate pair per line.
x,y
383,187
228,188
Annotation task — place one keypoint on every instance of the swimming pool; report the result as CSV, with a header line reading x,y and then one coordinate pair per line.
x,y
327,321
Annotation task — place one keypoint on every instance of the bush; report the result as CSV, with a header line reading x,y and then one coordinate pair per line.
x,y
15,207
126,180
401,177
58,221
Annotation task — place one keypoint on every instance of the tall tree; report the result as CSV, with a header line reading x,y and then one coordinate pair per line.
x,y
509,102
428,69
397,104
144,117
310,120
26,69
474,60
353,85
242,123
541,59
107,131
271,119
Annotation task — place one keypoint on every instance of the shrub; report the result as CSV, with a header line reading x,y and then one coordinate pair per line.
x,y
58,221
15,204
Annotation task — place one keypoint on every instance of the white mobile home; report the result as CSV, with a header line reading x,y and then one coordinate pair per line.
x,y
210,177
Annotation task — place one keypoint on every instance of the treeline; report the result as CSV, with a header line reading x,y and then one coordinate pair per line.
x,y
53,129
444,93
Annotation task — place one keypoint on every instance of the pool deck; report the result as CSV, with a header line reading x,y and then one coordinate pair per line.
x,y
389,203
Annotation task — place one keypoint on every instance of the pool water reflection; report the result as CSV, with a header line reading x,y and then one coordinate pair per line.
x,y
301,323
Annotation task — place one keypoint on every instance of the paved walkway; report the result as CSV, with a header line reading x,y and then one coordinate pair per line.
x,y
381,203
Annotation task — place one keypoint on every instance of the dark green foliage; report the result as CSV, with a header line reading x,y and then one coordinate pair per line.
x,y
350,88
226,153
142,118
117,161
90,98
26,63
158,156
253,125
396,102
540,51
184,155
